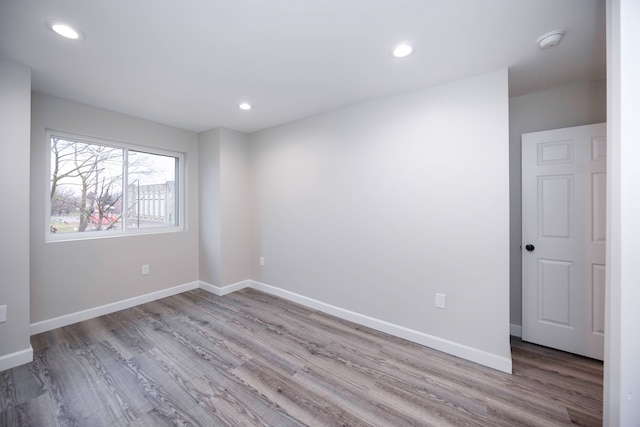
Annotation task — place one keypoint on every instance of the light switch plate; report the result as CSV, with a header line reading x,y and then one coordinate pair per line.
x,y
3,313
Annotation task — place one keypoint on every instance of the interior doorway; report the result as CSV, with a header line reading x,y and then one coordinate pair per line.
x,y
564,238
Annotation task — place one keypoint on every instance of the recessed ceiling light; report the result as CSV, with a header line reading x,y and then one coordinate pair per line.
x,y
402,50
245,106
65,30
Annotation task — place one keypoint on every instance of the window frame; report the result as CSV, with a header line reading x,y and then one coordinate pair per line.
x,y
180,189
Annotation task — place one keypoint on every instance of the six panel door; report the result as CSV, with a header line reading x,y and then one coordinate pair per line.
x,y
563,231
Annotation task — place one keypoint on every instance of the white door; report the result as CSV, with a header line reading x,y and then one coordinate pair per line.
x,y
563,232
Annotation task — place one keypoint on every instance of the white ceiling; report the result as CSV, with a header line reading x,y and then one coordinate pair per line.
x,y
188,63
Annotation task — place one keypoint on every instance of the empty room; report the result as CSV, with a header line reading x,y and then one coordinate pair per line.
x,y
376,213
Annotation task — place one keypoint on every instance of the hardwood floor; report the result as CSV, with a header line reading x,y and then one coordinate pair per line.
x,y
253,359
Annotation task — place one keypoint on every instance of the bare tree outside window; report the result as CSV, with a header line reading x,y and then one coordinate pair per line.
x,y
87,188
86,185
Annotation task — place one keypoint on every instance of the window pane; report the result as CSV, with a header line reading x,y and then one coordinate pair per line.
x,y
152,196
98,185
86,187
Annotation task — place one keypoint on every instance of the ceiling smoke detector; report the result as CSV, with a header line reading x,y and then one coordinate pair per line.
x,y
550,39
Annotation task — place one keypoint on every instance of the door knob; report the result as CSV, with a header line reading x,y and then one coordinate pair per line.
x,y
530,248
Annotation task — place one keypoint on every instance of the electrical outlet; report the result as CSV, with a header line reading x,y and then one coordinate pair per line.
x,y
262,261
441,301
145,269
3,313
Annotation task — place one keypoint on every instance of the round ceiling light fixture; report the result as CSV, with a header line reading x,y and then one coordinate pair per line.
x,y
65,30
550,39
245,106
402,50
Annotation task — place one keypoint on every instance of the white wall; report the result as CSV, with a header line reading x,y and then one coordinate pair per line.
x,y
225,236
67,277
576,104
235,206
15,101
209,205
622,339
376,207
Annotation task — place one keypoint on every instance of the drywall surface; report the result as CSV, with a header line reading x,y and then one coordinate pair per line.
x,y
577,104
377,207
15,113
209,205
224,207
67,277
235,206
622,346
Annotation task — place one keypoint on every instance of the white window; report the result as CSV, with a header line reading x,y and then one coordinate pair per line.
x,y
101,188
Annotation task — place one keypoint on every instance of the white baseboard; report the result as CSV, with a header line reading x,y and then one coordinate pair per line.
x,y
68,319
460,350
469,353
515,330
224,290
17,358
